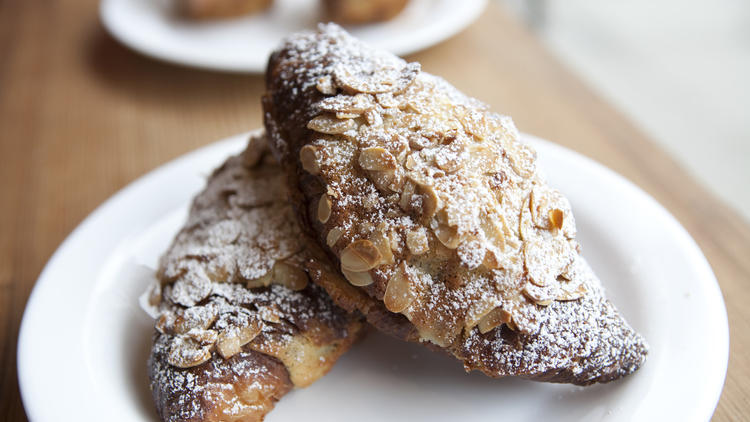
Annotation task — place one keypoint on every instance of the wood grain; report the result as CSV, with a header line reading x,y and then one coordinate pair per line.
x,y
81,116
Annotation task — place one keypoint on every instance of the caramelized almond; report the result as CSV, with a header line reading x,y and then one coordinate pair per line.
x,y
398,294
309,160
360,255
358,279
185,352
377,159
333,236
383,244
289,276
263,281
493,319
324,208
417,242
556,218
331,125
431,203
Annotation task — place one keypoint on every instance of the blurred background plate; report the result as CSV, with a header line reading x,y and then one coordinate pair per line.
x,y
84,340
243,44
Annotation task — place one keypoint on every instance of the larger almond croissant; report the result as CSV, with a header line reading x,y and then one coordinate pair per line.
x,y
436,214
239,323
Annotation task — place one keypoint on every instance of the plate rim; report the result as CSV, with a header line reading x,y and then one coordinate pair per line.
x,y
28,339
470,10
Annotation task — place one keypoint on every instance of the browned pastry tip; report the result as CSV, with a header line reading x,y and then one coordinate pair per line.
x,y
239,323
249,380
437,216
354,12
216,9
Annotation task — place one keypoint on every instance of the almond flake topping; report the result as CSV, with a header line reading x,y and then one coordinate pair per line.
x,y
448,185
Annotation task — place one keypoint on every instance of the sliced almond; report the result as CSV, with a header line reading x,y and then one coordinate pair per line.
x,y
387,78
331,125
165,323
492,226
377,158
383,244
492,259
185,352
417,241
450,158
446,232
326,85
478,310
398,294
545,259
406,196
289,276
388,181
522,158
230,342
475,124
203,337
556,218
373,117
360,255
431,203
324,208
358,279
348,105
387,100
542,296
263,281
484,159
395,240
411,162
309,159
197,317
228,346
247,333
493,319
571,291
333,236
418,142
270,313
448,236
525,225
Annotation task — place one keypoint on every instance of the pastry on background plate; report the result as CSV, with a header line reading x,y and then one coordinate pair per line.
x,y
216,9
442,227
352,12
239,325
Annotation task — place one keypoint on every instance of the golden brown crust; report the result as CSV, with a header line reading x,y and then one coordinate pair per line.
x,y
239,324
362,11
213,391
433,207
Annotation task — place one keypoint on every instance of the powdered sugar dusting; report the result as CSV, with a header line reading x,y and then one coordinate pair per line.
x,y
585,341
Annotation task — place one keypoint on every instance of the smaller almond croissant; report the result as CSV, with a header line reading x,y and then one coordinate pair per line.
x,y
239,324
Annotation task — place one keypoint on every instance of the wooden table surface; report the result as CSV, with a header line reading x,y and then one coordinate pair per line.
x,y
81,116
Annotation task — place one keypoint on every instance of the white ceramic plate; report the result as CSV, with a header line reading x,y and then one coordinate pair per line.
x,y
84,340
243,44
